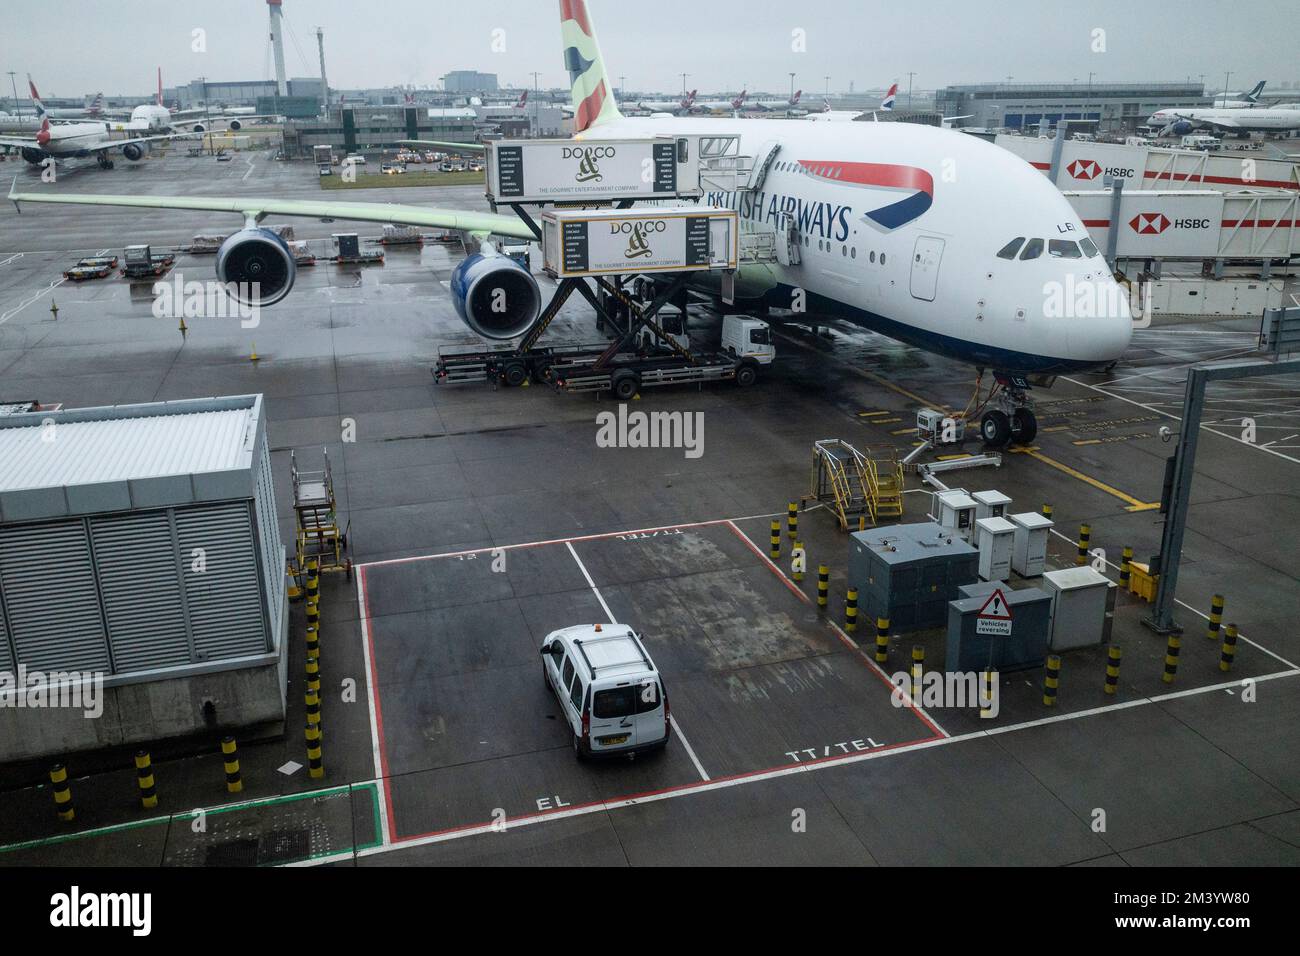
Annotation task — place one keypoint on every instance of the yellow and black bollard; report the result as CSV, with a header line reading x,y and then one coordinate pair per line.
x,y
776,540
862,522
918,670
315,766
1047,511
313,675
986,694
1171,659
1216,617
62,793
882,640
797,572
1229,647
1085,536
851,610
1113,655
1052,681
792,520
313,642
313,580
230,752
313,707
144,778
313,613
823,584
1125,568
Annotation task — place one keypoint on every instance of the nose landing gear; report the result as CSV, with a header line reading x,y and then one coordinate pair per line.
x,y
1013,419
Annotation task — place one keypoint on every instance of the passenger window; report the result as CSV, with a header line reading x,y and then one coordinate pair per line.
x,y
873,255
1011,248
566,675
1033,249
1089,248
575,696
853,253
1062,249
882,258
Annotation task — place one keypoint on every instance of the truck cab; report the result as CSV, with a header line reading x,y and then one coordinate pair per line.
x,y
747,338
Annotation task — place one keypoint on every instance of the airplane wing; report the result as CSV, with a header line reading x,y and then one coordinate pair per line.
x,y
19,143
468,147
118,143
256,208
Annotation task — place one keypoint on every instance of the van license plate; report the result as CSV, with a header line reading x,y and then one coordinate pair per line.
x,y
614,741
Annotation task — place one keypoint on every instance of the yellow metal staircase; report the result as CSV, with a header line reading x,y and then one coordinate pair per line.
x,y
854,485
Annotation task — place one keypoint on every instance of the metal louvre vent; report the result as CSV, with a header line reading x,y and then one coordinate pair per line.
x,y
6,651
269,539
136,560
66,633
224,599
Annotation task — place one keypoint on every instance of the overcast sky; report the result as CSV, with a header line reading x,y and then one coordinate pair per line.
x,y
73,47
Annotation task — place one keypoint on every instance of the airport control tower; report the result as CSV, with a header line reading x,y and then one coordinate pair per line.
x,y
277,46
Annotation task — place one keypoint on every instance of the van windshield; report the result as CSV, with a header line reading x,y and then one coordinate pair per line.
x,y
625,701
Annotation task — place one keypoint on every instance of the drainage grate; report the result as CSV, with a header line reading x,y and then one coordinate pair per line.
x,y
242,852
283,846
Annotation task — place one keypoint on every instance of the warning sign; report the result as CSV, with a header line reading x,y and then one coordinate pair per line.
x,y
994,617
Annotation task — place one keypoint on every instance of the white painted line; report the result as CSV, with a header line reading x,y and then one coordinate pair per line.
x,y
590,583
744,780
881,671
1199,613
5,317
1158,411
690,751
250,169
382,794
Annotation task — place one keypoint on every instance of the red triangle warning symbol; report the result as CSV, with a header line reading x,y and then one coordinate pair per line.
x,y
996,608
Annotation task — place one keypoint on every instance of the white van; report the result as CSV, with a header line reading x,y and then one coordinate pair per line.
x,y
608,688
748,338
1200,141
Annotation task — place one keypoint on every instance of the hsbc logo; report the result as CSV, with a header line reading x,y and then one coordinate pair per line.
x,y
1154,223
1149,223
1089,169
1084,169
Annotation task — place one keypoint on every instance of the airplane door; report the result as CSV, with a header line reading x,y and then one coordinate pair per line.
x,y
925,267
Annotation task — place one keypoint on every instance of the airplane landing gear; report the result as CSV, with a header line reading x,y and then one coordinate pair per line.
x,y
1012,421
103,161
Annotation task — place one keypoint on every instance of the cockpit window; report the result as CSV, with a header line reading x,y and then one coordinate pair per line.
x,y
1089,248
1062,249
1011,248
1033,249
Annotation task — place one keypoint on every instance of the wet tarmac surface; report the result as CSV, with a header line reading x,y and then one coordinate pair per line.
x,y
790,749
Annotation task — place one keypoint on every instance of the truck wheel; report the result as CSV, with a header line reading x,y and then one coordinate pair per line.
x,y
540,372
746,376
515,374
625,386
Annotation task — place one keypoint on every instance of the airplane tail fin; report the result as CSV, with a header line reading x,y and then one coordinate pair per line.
x,y
36,98
888,102
1254,95
590,89
794,100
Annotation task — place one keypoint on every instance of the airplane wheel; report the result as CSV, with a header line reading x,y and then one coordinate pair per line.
x,y
1024,426
995,429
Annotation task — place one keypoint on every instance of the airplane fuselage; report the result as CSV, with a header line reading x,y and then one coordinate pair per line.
x,y
899,229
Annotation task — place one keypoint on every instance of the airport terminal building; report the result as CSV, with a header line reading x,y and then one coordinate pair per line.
x,y
1114,107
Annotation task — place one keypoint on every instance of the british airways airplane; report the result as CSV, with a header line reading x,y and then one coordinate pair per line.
x,y
929,236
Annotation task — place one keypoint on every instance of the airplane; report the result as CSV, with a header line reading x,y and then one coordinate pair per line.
x,y
92,108
683,105
788,106
828,115
1180,122
74,140
1241,101
733,105
961,267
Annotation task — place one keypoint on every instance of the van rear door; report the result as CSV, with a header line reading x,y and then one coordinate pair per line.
x,y
614,717
650,720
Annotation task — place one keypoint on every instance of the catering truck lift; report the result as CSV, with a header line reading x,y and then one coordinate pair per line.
x,y
660,246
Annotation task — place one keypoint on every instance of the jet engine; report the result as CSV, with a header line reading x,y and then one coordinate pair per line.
x,y
235,126
32,155
494,295
256,256
134,152
198,128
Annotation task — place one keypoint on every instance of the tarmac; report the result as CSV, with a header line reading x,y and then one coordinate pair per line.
x,y
481,518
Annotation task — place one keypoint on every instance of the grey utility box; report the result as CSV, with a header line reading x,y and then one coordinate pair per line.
x,y
1029,545
955,510
1081,598
908,573
990,504
1025,647
993,537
